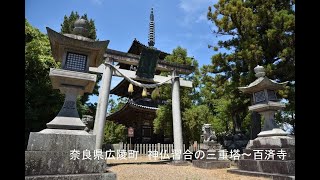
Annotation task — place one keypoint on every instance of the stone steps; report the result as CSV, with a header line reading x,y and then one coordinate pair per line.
x,y
272,176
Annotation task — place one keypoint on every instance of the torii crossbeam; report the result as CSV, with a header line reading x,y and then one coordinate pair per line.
x,y
106,69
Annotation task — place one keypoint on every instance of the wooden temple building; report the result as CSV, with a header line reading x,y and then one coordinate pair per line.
x,y
139,112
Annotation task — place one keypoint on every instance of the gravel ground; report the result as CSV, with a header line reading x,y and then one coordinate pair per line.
x,y
144,168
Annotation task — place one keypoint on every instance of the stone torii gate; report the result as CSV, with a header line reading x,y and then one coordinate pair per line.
x,y
108,70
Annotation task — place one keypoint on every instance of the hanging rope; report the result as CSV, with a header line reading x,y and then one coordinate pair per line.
x,y
136,83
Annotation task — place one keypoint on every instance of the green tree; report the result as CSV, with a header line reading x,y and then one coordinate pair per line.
x,y
68,25
257,33
117,105
188,97
113,132
42,103
194,117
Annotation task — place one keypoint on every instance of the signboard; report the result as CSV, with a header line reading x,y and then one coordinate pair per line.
x,y
147,63
130,132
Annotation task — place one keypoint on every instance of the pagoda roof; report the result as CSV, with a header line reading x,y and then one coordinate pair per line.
x,y
263,83
137,46
131,111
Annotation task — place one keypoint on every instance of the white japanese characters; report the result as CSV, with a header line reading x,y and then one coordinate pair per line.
x,y
122,154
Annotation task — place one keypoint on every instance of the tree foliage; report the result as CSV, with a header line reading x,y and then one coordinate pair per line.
x,y
188,97
194,118
254,33
42,103
68,24
113,132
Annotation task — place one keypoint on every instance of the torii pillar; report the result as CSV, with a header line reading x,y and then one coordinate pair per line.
x,y
100,119
176,116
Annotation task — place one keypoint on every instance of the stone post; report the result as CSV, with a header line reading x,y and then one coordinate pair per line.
x,y
269,122
100,118
68,117
176,115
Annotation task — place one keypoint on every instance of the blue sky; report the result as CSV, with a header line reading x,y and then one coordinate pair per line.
x,y
177,23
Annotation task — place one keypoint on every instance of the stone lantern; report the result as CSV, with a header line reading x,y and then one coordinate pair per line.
x,y
272,153
265,101
76,54
58,151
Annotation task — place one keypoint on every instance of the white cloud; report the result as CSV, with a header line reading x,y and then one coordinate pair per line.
x,y
190,6
185,35
195,10
202,17
98,2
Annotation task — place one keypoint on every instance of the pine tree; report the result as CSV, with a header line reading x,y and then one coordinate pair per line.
x,y
258,33
68,24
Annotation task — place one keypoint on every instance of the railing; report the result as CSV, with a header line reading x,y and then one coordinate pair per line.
x,y
144,148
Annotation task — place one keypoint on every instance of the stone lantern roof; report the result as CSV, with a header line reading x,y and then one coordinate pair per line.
x,y
262,82
60,43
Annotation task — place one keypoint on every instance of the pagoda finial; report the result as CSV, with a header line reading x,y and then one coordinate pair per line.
x,y
151,37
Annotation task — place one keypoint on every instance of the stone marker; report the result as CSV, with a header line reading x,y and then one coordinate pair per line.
x,y
211,148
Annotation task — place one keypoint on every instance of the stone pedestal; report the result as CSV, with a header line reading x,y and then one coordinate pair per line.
x,y
72,84
48,156
212,150
277,166
235,141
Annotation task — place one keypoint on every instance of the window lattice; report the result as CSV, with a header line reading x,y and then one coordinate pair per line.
x,y
259,96
272,95
76,62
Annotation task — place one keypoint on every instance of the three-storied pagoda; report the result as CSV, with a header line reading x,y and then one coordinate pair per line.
x,y
140,109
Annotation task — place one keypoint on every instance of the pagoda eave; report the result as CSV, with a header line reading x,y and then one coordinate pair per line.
x,y
129,112
136,48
